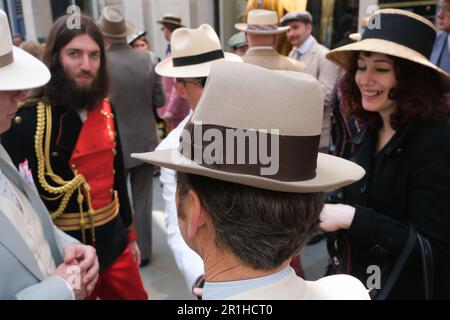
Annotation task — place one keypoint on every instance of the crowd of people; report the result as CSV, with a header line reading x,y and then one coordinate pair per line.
x,y
257,154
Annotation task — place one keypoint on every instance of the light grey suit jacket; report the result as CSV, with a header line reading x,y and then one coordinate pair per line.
x,y
269,58
20,276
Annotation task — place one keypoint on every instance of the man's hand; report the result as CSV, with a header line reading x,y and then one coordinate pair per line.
x,y
71,274
86,259
135,252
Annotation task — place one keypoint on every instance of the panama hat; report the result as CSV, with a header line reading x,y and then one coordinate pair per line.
x,y
193,51
260,21
19,70
113,25
170,18
266,108
398,33
133,37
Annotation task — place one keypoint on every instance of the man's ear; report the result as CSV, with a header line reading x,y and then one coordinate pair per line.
x,y
196,214
309,27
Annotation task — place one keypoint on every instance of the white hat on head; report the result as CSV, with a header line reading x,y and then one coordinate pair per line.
x,y
19,70
193,51
265,108
263,22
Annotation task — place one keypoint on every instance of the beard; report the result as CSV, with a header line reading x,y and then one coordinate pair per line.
x,y
63,90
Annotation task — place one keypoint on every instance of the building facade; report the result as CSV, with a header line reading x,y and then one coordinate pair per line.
x,y
333,19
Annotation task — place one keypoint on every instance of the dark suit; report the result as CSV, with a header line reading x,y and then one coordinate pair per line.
x,y
407,181
135,92
111,238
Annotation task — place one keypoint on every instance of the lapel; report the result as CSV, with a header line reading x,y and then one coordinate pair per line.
x,y
31,193
65,128
308,56
11,239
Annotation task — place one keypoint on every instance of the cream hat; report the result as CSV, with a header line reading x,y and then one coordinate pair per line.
x,y
260,21
18,69
193,51
264,105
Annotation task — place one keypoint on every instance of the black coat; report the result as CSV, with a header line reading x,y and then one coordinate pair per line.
x,y
111,238
407,181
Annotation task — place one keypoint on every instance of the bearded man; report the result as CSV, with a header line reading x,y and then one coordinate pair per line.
x,y
65,133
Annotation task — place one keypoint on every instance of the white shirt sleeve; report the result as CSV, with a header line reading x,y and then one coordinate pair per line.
x,y
188,262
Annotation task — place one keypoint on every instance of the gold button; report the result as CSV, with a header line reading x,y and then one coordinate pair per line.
x,y
112,115
74,167
18,120
114,172
55,154
115,134
114,151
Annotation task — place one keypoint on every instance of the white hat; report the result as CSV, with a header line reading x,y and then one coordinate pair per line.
x,y
19,70
245,99
260,21
193,51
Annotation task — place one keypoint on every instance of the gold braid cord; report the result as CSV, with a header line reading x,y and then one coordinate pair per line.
x,y
65,189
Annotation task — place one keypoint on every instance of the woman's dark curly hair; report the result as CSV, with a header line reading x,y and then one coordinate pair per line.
x,y
419,94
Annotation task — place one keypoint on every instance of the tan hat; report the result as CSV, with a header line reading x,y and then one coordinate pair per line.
x,y
260,21
113,23
400,34
19,70
170,18
242,100
193,51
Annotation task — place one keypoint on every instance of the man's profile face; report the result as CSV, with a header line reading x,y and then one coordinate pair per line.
x,y
298,32
190,89
167,33
8,107
443,15
81,59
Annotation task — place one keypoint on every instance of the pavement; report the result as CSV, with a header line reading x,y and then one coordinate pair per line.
x,y
163,280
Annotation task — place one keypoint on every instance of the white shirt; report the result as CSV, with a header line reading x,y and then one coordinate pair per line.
x,y
188,262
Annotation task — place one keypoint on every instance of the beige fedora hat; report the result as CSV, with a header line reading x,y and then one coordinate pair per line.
x,y
242,100
19,70
398,33
260,21
113,24
170,18
193,51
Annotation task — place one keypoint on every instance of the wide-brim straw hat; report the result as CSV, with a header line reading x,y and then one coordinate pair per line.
x,y
19,70
170,18
113,24
266,108
193,51
260,21
397,33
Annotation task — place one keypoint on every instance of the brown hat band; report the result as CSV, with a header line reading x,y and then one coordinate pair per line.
x,y
296,155
6,59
